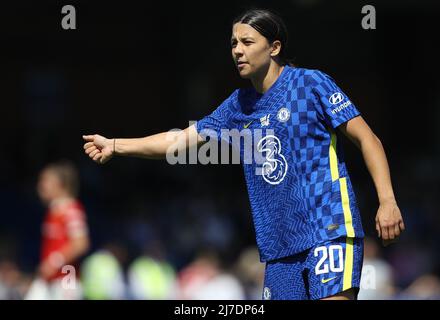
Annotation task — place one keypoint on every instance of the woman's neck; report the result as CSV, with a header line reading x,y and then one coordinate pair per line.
x,y
267,78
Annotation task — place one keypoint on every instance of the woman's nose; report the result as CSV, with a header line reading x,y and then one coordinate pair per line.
x,y
238,50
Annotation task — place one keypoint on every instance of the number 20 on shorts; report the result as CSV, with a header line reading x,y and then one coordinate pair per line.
x,y
327,261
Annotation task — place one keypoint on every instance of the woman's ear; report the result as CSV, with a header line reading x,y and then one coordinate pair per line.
x,y
276,48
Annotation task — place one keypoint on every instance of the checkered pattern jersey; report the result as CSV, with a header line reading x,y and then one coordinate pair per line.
x,y
300,194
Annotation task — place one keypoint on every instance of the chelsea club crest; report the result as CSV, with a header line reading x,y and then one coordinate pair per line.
x,y
266,294
283,114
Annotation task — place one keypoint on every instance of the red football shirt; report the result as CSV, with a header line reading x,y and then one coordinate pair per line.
x,y
64,220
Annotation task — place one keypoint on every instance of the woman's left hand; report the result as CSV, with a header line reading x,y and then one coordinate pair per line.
x,y
389,222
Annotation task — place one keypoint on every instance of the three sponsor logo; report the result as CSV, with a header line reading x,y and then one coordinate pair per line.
x,y
275,166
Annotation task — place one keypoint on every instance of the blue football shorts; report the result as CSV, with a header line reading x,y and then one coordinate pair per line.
x,y
324,270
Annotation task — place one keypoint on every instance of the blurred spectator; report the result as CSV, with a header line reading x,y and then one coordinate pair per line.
x,y
150,277
204,279
377,274
411,260
11,281
64,234
251,273
424,287
102,274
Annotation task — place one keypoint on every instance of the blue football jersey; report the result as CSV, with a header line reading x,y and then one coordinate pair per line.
x,y
299,189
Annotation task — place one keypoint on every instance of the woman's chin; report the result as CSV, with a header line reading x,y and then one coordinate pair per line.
x,y
244,74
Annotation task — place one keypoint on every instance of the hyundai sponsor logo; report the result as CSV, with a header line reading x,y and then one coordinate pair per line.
x,y
336,98
342,106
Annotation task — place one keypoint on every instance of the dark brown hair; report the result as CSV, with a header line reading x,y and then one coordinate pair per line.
x,y
269,25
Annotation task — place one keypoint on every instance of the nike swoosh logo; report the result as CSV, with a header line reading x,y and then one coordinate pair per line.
x,y
247,124
327,280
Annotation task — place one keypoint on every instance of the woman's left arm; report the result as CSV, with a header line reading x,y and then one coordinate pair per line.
x,y
389,222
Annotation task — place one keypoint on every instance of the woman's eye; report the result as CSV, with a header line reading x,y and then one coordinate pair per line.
x,y
246,43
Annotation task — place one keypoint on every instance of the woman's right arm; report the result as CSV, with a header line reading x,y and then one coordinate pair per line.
x,y
101,149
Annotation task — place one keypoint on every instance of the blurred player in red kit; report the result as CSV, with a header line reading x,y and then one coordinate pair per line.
x,y
64,234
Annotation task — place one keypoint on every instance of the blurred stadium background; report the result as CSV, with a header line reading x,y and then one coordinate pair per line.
x,y
135,68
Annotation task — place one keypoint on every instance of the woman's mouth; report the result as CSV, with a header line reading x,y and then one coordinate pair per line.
x,y
241,64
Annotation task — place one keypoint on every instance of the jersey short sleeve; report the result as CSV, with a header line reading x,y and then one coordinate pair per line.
x,y
75,222
219,119
332,103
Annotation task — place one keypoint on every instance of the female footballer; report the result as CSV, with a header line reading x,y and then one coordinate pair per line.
x,y
307,223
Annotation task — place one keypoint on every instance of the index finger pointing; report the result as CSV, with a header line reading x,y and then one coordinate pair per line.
x,y
88,137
